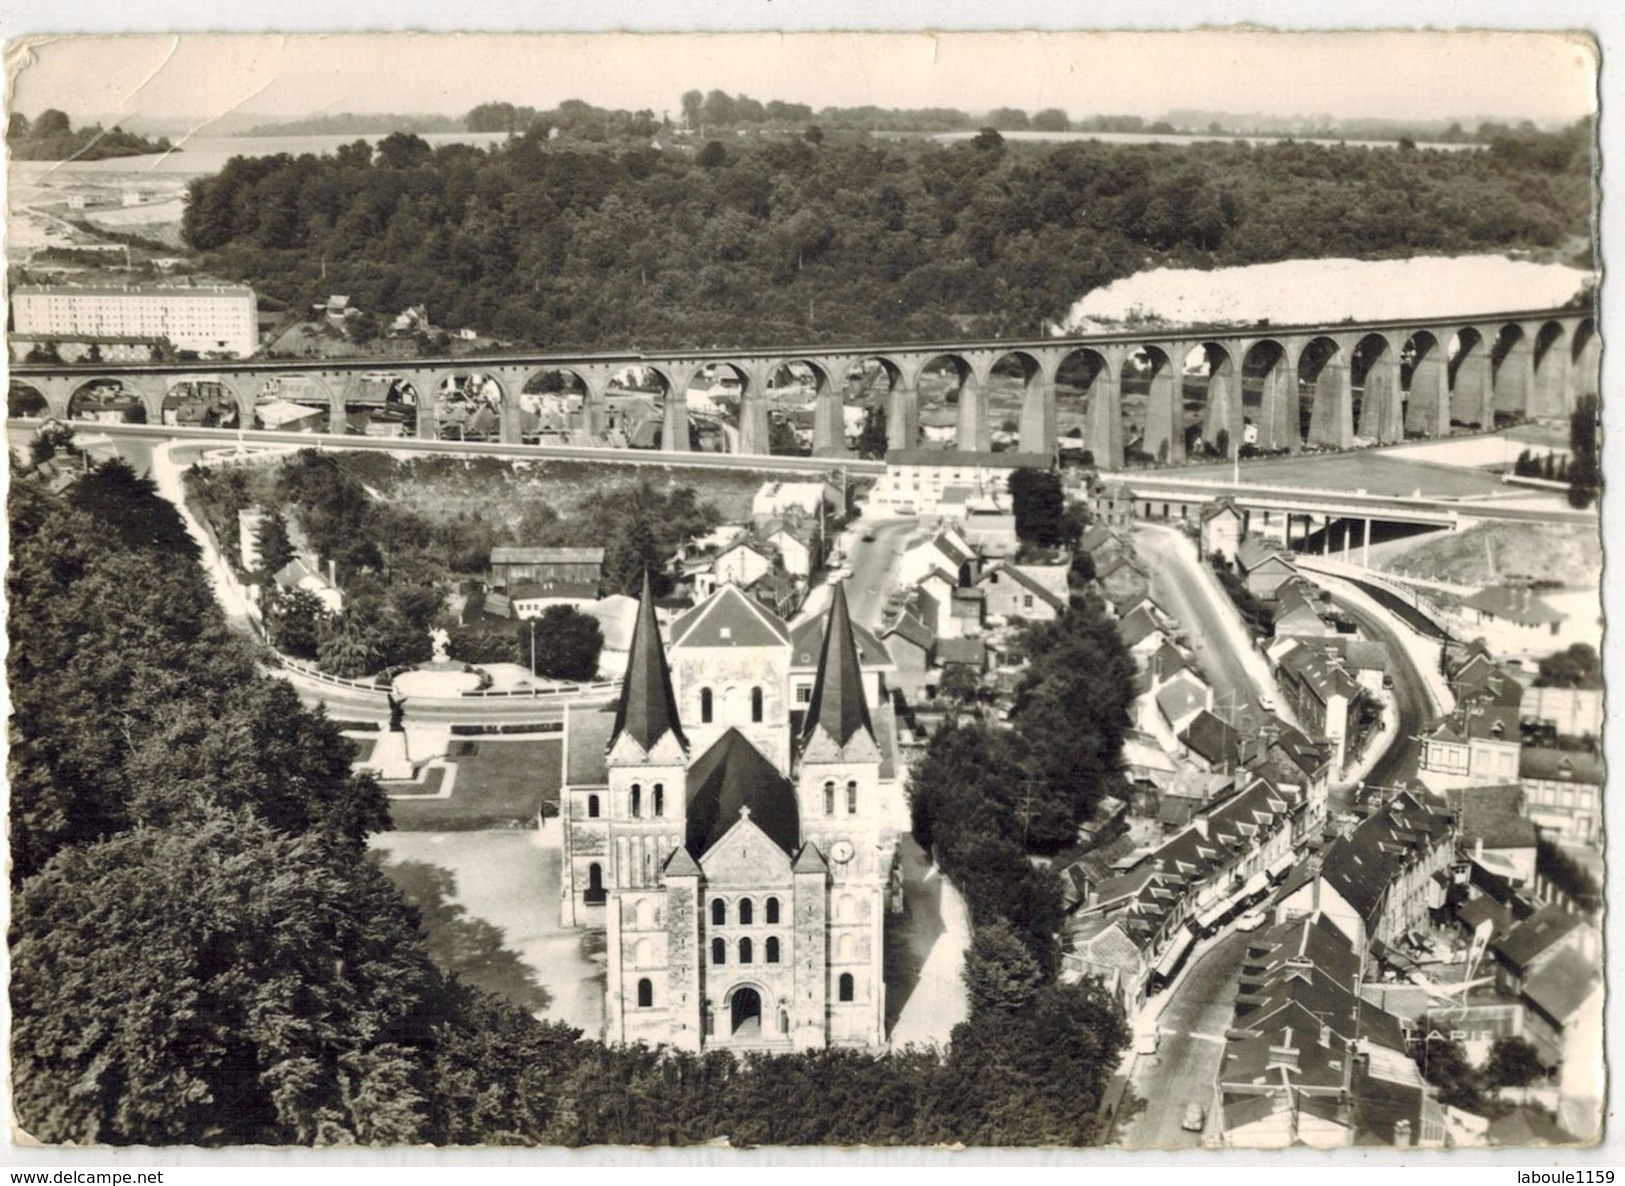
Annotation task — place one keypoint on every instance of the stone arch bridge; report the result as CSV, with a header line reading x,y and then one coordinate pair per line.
x,y
1317,385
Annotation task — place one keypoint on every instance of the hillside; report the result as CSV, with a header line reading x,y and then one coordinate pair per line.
x,y
778,238
1490,552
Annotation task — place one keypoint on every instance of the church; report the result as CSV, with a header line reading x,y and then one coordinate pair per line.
x,y
731,824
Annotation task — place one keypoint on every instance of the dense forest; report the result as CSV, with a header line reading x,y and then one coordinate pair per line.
x,y
201,951
778,239
52,137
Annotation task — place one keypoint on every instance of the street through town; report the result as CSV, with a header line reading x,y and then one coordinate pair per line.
x,y
1207,623
1186,1065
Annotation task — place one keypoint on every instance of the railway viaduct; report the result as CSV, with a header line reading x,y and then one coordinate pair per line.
x,y
1381,380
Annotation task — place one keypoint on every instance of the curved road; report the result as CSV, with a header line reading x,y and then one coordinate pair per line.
x,y
1186,1064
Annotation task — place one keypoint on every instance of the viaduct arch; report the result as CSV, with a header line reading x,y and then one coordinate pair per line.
x,y
1274,387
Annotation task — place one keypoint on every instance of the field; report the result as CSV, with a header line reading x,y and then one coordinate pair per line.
x,y
1374,473
501,783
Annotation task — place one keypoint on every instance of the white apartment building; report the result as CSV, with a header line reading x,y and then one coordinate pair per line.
x,y
924,481
216,319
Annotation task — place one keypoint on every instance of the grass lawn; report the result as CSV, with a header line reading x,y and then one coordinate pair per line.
x,y
501,783
1375,473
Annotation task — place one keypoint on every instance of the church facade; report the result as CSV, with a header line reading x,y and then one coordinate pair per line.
x,y
732,826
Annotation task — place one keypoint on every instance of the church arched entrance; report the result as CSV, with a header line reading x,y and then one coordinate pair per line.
x,y
747,1014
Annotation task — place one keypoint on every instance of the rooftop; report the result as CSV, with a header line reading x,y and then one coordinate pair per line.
x,y
1513,605
511,555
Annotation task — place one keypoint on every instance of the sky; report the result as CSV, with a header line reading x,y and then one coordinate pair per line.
x,y
1517,75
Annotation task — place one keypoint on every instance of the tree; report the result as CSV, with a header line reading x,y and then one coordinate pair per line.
x,y
813,135
217,985
50,438
961,684
51,122
403,150
1038,502
127,509
1000,973
1051,119
872,441
712,156
350,647
568,643
1513,1062
296,622
988,141
275,545
1444,1064
692,102
1585,474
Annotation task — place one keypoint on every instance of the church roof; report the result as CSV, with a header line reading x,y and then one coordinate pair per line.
x,y
648,707
729,618
734,774
680,864
837,695
810,860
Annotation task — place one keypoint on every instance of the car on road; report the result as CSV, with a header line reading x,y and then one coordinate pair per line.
x,y
1266,702
868,537
1145,1042
1194,1119
1250,921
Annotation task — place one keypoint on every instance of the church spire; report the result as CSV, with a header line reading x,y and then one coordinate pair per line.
x,y
837,696
648,707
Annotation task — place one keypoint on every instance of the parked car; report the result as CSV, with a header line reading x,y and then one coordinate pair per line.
x,y
1195,1117
1250,921
869,536
1145,1042
1266,702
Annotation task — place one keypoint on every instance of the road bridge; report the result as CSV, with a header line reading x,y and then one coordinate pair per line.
x,y
1308,520
1278,386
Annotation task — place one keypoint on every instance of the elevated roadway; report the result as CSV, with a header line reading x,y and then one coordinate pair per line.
x,y
1416,375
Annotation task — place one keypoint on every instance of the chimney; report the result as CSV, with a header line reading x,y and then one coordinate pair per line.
x,y
1478,848
1402,1133
333,573
1286,1054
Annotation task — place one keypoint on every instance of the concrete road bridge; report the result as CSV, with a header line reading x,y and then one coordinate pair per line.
x,y
1277,386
